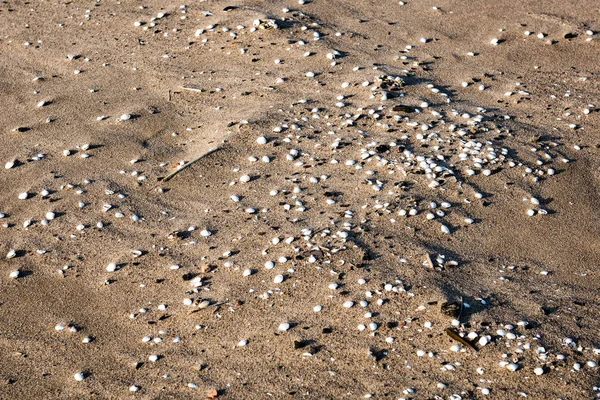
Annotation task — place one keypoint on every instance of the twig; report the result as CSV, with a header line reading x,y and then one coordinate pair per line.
x,y
454,335
191,89
172,174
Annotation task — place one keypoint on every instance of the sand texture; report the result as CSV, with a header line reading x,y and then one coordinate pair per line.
x,y
403,202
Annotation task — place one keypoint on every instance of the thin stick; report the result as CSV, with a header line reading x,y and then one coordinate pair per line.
x,y
191,89
172,174
454,335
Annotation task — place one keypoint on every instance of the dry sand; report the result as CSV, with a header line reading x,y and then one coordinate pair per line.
x,y
529,284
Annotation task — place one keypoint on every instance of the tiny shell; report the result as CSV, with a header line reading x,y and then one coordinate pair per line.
x,y
284,326
79,376
512,367
204,304
245,178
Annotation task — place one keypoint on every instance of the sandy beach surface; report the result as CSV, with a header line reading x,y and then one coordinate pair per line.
x,y
400,201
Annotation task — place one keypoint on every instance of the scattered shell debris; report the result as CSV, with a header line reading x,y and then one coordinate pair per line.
x,y
225,195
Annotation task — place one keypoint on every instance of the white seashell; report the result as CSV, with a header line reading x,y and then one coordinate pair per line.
x,y
538,371
317,308
269,265
23,196
11,254
245,178
512,367
50,215
261,140
348,304
134,388
247,272
9,164
242,343
112,267
15,274
125,117
278,279
79,376
136,253
205,233
284,326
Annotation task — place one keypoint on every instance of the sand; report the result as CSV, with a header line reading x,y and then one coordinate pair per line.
x,y
527,283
